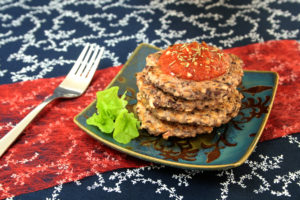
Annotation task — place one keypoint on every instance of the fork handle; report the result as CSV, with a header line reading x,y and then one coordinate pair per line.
x,y
7,140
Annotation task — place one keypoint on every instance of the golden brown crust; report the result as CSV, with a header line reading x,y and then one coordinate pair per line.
x,y
159,127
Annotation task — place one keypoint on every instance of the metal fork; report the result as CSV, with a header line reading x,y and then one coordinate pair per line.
x,y
74,85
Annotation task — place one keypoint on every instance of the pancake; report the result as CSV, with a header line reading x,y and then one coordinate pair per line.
x,y
189,89
157,127
205,117
158,99
185,107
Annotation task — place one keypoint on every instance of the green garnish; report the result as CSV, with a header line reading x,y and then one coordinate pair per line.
x,y
112,116
126,127
104,123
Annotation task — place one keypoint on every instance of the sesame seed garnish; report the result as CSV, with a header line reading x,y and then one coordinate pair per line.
x,y
197,61
220,55
172,62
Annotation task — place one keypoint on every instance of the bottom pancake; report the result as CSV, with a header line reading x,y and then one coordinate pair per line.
x,y
167,129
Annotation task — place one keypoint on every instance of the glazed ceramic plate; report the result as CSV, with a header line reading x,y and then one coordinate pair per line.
x,y
228,146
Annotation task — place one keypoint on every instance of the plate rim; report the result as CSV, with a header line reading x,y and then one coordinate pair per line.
x,y
174,163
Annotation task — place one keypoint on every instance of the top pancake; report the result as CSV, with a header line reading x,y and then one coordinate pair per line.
x,y
189,89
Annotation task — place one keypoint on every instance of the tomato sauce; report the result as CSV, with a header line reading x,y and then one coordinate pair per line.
x,y
194,61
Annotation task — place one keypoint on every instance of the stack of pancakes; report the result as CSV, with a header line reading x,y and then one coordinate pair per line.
x,y
172,106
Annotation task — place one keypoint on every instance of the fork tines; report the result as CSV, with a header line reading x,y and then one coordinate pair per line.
x,y
86,64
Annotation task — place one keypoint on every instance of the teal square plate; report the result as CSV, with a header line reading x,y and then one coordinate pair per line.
x,y
228,146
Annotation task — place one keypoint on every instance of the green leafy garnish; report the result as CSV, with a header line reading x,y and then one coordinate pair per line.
x,y
112,116
109,104
104,123
126,127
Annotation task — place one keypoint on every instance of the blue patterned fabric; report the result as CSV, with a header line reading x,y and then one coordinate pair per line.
x,y
41,39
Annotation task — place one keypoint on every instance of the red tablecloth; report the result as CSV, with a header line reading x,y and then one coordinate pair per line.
x,y
54,150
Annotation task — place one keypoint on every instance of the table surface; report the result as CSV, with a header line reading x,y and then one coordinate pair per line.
x,y
41,39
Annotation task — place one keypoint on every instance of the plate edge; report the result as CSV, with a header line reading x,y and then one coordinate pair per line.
x,y
261,129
